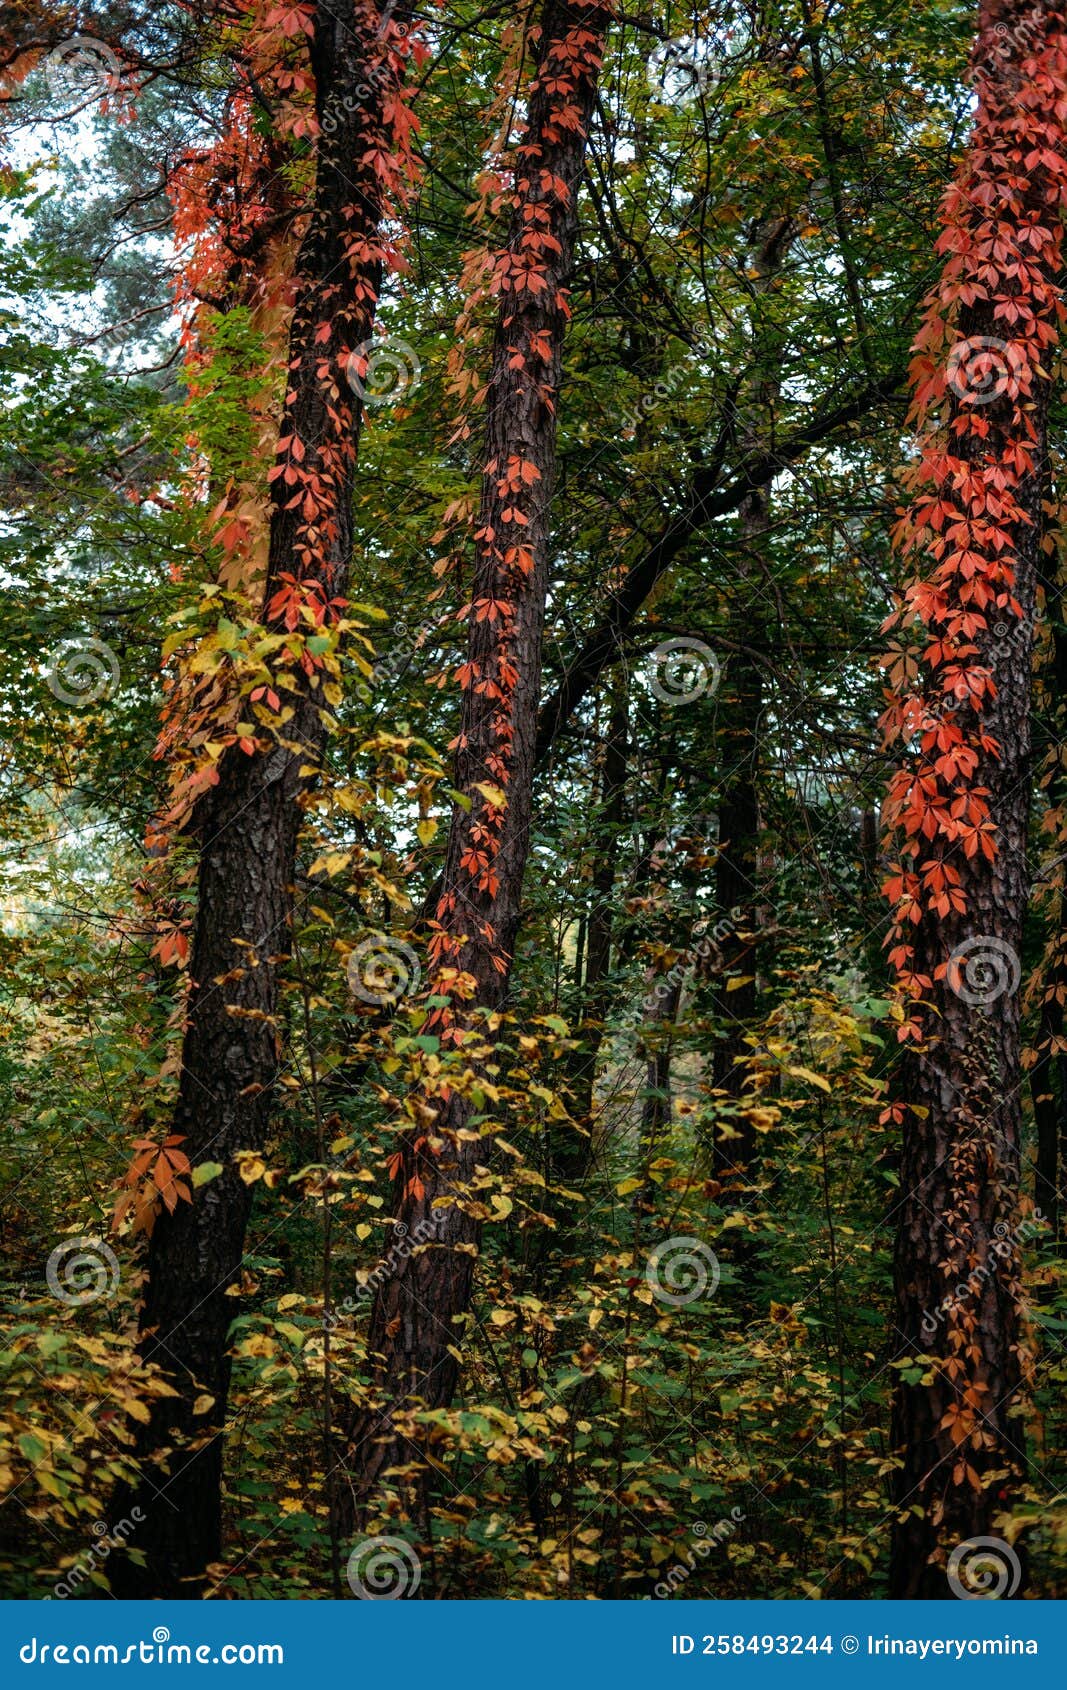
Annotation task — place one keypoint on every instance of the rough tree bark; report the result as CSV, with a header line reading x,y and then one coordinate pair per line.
x,y
412,1329
961,804
248,822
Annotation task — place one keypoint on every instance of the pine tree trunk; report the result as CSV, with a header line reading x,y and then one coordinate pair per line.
x,y
248,823
412,1329
956,1268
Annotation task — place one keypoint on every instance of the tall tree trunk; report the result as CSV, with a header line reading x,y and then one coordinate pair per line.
x,y
737,865
412,1330
248,822
961,806
571,1153
657,1047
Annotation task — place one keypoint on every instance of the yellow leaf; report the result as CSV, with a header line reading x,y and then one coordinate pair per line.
x,y
812,1079
493,795
333,862
203,1403
257,1345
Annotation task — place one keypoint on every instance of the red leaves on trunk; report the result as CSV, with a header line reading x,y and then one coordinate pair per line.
x,y
972,405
